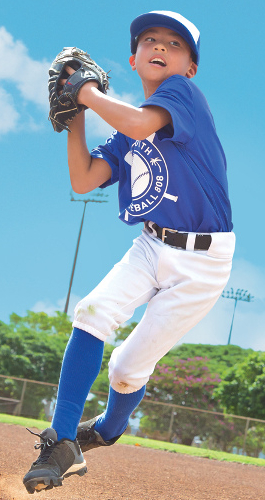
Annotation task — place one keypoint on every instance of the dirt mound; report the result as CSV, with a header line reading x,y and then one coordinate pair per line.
x,y
130,473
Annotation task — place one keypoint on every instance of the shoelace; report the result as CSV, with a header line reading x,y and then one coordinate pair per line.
x,y
46,446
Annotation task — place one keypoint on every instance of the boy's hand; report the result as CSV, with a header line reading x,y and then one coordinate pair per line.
x,y
70,70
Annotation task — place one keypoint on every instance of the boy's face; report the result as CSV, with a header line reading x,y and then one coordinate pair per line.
x,y
160,54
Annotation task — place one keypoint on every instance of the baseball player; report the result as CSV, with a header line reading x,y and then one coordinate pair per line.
x,y
171,170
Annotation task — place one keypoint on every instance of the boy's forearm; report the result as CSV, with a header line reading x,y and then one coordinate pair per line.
x,y
86,173
137,123
79,158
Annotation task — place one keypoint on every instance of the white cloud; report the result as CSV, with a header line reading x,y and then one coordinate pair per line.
x,y
8,113
29,76
96,127
49,308
114,67
24,75
128,97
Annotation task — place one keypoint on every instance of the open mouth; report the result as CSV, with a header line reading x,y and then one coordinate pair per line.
x,y
158,61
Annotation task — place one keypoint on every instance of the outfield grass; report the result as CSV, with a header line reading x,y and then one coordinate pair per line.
x,y
147,443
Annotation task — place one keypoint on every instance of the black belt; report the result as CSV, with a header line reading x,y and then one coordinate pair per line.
x,y
179,240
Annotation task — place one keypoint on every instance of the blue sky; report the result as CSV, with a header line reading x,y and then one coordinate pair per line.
x,y
39,224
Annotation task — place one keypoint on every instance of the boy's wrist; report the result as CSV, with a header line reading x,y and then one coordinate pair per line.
x,y
85,94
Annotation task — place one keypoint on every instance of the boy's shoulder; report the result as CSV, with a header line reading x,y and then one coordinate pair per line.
x,y
182,90
179,88
178,83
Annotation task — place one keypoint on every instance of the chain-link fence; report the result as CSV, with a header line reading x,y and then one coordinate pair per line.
x,y
28,398
152,419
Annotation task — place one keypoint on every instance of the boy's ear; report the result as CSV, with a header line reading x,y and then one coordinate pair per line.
x,y
132,62
192,70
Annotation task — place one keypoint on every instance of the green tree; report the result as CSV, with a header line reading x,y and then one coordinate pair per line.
x,y
188,383
219,357
241,392
32,347
255,440
222,433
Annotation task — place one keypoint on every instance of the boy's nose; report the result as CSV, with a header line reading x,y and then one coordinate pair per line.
x,y
160,46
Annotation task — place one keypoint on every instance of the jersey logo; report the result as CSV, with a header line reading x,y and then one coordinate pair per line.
x,y
149,178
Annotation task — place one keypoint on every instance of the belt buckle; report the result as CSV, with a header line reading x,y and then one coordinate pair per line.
x,y
164,229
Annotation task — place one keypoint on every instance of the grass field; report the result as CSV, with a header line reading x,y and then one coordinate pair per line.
x,y
148,443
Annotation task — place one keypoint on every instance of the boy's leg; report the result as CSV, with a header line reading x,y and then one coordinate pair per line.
x,y
129,284
115,419
81,365
60,453
106,429
187,284
190,284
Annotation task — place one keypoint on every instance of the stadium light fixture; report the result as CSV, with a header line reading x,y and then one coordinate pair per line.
x,y
240,294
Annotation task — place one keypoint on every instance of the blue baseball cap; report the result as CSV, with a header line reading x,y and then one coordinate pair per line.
x,y
167,19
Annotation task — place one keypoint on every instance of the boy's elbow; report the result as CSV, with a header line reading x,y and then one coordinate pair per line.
x,y
147,122
142,125
79,188
139,130
138,135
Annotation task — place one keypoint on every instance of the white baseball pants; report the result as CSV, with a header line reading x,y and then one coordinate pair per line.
x,y
180,286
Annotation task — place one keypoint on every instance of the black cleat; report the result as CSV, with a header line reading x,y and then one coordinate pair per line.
x,y
57,460
89,438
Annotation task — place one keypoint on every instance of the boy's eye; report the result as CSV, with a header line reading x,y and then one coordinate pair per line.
x,y
175,43
150,39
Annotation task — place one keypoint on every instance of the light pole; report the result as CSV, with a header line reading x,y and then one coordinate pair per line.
x,y
91,200
240,294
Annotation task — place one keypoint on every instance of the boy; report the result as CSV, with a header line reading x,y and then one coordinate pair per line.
x,y
172,177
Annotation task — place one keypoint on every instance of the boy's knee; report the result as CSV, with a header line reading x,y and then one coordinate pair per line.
x,y
121,378
84,310
119,381
89,315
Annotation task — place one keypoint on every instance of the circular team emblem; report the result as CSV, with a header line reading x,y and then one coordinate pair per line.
x,y
149,178
141,177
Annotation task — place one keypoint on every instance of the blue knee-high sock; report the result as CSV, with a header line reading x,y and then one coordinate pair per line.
x,y
81,365
115,418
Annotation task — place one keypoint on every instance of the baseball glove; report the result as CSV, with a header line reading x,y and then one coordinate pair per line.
x,y
63,99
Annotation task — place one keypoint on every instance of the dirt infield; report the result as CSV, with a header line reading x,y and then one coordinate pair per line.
x,y
130,473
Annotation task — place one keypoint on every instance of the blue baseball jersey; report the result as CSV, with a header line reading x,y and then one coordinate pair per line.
x,y
177,176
